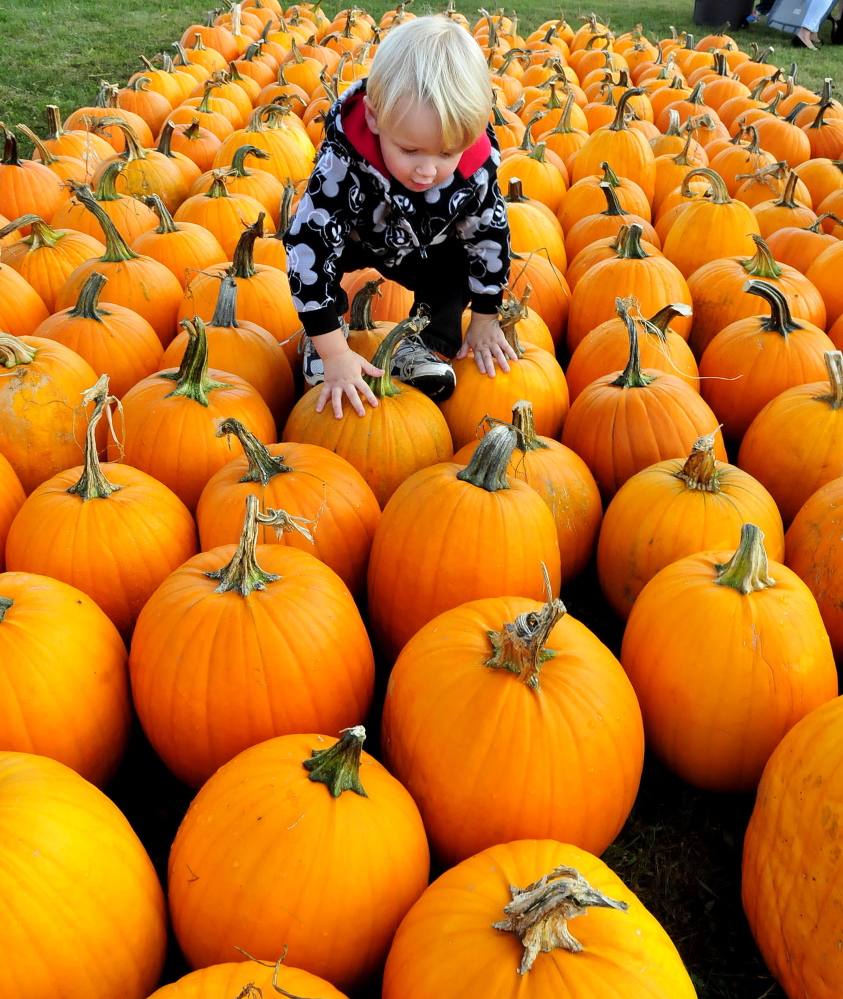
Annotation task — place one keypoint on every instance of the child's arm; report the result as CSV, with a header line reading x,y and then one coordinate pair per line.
x,y
485,337
344,372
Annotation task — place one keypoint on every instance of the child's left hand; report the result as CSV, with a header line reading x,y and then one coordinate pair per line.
x,y
486,338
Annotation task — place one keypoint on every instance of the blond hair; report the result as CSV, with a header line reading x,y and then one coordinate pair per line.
x,y
433,61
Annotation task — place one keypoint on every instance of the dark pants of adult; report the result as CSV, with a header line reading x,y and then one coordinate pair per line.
x,y
438,280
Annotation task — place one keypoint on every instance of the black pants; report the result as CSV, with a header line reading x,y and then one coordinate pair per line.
x,y
438,280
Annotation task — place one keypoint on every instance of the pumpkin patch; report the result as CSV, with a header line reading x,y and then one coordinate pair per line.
x,y
555,636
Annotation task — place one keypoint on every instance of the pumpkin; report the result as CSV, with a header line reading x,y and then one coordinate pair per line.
x,y
284,138
495,927
52,820
800,246
518,664
824,275
413,424
563,481
535,376
58,649
80,143
751,361
531,228
416,572
199,144
11,500
190,400
790,871
784,211
675,508
248,979
261,185
129,215
606,223
542,174
549,292
302,660
308,482
311,808
113,532
726,654
139,283
586,197
795,444
106,107
629,419
41,408
109,337
27,187
222,213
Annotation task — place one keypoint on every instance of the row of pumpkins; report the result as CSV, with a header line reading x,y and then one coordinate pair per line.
x,y
644,252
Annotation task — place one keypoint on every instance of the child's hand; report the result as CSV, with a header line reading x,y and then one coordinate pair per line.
x,y
486,338
344,372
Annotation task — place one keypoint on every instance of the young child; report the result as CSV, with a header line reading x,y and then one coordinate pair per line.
x,y
405,181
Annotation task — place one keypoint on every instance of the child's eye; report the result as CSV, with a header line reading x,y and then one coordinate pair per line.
x,y
408,152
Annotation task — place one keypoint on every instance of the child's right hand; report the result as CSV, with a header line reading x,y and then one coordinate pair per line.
x,y
344,370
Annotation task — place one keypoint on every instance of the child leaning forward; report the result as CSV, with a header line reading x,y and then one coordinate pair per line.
x,y
405,182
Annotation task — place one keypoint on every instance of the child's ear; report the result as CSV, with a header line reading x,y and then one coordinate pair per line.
x,y
371,117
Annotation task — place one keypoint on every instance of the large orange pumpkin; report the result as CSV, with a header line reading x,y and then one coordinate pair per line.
x,y
297,656
470,933
726,654
494,682
249,980
332,837
97,893
11,500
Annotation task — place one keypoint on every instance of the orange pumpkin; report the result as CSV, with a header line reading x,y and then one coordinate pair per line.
x,y
532,657
726,654
56,936
325,791
475,928
672,509
236,978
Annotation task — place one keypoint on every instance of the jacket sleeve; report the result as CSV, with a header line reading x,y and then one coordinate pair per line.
x,y
484,230
315,241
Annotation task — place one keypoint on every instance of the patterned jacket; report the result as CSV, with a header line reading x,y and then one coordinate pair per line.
x,y
351,197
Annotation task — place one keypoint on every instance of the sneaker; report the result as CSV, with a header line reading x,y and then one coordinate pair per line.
x,y
414,364
312,366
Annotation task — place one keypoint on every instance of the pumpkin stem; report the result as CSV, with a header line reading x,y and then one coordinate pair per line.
x,y
243,573
700,470
538,914
88,301
520,644
238,168
225,309
632,376
619,124
338,767
262,465
5,604
630,248
166,223
834,367
488,465
763,264
522,420
243,262
746,570
92,483
14,351
382,385
659,324
719,192
116,248
42,234
192,377
613,206
509,315
361,317
780,320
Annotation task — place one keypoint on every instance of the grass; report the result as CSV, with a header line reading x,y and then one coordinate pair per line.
x,y
680,850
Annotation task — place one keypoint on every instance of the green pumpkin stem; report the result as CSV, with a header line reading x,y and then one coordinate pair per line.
x,y
166,224
360,317
238,168
700,470
510,313
834,366
338,766
41,235
609,175
88,301
520,644
780,320
746,571
54,127
659,324
11,156
116,248
92,483
538,914
719,192
613,206
382,385
630,248
243,573
262,465
5,604
632,376
192,381
522,420
243,262
107,186
488,465
225,309
763,265
619,124
14,351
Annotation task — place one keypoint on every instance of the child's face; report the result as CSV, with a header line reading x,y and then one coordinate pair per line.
x,y
412,149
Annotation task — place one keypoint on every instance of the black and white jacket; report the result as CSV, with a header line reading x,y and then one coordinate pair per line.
x,y
351,197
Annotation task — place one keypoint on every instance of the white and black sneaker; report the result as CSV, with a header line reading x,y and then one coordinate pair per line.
x,y
414,364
